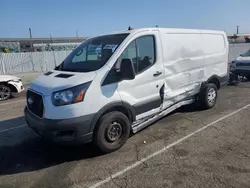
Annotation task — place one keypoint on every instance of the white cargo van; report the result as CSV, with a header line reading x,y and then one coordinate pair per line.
x,y
113,84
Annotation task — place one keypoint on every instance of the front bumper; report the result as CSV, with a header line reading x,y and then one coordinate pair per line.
x,y
65,131
233,78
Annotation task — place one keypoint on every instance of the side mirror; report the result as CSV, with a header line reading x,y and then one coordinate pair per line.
x,y
127,70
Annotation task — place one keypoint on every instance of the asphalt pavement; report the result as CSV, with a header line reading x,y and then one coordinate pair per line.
x,y
188,148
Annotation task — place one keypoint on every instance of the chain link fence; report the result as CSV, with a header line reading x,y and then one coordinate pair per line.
x,y
11,63
31,61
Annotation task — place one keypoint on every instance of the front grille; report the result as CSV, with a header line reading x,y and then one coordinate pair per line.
x,y
35,103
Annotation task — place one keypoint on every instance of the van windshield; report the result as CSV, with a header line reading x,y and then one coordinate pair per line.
x,y
92,54
246,54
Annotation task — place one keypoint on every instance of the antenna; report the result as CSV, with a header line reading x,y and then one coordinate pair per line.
x,y
52,48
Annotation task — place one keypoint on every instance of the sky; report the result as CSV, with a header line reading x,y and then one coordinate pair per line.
x,y
64,18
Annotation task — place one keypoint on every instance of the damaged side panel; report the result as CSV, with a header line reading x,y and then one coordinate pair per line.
x,y
184,66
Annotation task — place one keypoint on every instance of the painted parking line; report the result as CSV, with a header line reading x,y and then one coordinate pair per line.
x,y
143,160
17,127
13,102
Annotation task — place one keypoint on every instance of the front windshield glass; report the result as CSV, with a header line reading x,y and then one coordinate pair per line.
x,y
246,54
92,54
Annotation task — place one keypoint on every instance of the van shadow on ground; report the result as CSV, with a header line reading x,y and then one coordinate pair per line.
x,y
32,153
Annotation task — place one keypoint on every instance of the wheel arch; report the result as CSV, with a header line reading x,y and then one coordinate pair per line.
x,y
120,106
11,86
214,79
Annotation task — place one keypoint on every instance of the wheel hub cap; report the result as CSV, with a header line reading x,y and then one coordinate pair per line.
x,y
211,96
114,131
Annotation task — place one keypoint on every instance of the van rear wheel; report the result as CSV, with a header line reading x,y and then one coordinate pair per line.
x,y
112,132
208,96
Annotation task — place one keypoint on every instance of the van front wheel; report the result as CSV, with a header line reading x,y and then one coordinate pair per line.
x,y
112,131
208,96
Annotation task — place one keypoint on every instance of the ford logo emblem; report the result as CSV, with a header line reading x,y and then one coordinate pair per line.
x,y
30,101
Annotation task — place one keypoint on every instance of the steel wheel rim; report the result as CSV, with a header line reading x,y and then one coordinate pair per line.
x,y
4,93
211,96
114,132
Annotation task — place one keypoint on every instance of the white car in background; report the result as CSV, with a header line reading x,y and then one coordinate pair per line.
x,y
9,85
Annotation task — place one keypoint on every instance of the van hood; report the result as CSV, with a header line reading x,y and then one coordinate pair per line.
x,y
240,58
5,78
53,81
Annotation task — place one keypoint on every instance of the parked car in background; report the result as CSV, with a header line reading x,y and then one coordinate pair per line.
x,y
241,65
9,85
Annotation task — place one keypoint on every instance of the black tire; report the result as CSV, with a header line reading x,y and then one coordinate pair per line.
x,y
248,77
105,124
5,92
205,101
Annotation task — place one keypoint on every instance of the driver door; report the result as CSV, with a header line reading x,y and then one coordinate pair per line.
x,y
143,92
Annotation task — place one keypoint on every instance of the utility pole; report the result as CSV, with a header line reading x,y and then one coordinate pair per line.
x,y
237,32
51,41
31,43
32,50
52,48
76,33
50,37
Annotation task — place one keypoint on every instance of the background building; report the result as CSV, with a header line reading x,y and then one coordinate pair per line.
x,y
14,45
238,38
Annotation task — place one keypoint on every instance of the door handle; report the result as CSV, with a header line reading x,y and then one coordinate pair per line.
x,y
157,73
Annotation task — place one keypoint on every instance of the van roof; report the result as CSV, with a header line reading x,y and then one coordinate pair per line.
x,y
169,30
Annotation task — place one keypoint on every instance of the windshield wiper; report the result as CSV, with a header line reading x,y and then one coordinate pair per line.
x,y
85,70
69,70
76,70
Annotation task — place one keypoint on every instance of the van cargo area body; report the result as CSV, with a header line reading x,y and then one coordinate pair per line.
x,y
113,84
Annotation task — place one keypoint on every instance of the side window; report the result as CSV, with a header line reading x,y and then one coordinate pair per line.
x,y
246,54
128,53
145,53
141,52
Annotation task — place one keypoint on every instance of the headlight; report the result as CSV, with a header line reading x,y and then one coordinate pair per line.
x,y
70,96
